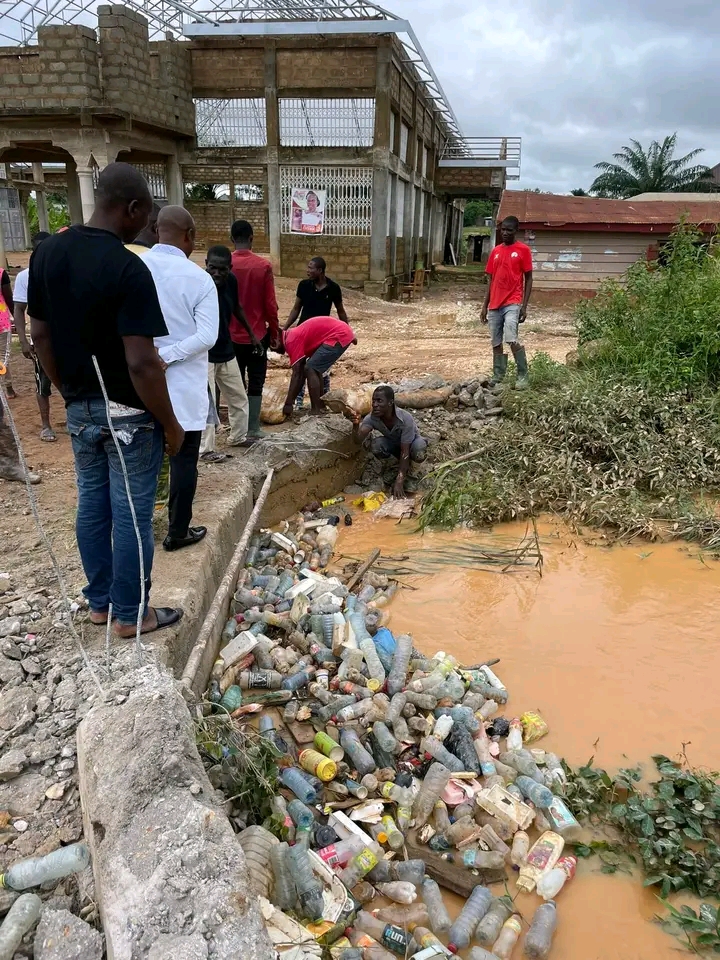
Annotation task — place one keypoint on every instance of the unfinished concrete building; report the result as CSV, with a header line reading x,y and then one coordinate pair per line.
x,y
324,126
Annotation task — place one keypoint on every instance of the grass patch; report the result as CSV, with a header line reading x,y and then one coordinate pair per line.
x,y
630,440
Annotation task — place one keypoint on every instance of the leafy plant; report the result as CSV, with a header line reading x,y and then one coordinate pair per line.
x,y
58,213
700,929
655,170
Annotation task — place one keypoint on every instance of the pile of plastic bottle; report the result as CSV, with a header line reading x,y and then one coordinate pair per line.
x,y
406,748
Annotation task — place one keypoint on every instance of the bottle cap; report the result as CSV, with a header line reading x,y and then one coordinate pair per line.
x,y
374,685
452,948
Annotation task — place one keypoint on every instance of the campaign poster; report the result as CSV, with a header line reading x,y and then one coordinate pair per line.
x,y
307,210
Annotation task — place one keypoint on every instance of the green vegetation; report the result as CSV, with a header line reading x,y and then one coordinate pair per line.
x,y
629,440
58,214
654,170
475,209
672,830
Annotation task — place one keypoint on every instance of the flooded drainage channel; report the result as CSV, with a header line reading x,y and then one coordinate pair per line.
x,y
599,647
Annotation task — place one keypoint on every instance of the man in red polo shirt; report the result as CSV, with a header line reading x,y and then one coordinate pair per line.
x,y
256,289
312,348
510,285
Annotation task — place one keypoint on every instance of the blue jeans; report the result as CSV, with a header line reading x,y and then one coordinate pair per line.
x,y
105,533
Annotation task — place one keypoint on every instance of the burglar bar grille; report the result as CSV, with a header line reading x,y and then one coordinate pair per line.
x,y
348,207
326,123
155,174
230,123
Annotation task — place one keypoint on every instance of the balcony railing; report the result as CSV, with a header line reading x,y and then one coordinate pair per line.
x,y
484,152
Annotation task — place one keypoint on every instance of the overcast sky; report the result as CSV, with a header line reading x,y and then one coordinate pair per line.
x,y
575,79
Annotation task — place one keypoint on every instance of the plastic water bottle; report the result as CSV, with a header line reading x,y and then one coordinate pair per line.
x,y
515,736
488,930
340,853
480,953
460,743
509,936
295,781
441,817
358,756
440,921
387,934
436,779
257,844
440,753
397,704
37,870
476,906
551,883
360,864
398,890
395,839
374,665
22,917
425,939
301,815
524,763
443,726
482,750
562,821
542,929
405,915
531,790
451,688
385,739
298,680
554,766
309,888
482,859
520,847
284,892
385,646
411,870
397,677
460,714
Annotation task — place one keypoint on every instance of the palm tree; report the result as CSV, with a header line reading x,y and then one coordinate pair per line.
x,y
651,171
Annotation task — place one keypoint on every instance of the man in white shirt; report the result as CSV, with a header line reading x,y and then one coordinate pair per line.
x,y
42,381
189,303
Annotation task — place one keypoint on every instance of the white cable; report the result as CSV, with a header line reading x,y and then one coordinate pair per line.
x,y
141,608
41,529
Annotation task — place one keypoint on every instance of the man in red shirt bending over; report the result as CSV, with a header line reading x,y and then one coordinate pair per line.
x,y
312,348
506,300
256,290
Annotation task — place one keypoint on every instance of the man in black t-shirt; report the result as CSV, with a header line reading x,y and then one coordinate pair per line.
x,y
91,299
223,368
315,297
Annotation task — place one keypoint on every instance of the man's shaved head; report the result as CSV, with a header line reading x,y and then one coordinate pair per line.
x,y
122,201
176,227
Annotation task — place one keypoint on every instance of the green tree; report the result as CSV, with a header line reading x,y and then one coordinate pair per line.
x,y
201,192
655,170
579,192
58,213
475,209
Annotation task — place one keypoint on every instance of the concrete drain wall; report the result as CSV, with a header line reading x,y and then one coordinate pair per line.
x,y
170,877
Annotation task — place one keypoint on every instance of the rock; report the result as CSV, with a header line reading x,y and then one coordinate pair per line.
x,y
62,936
14,703
19,608
10,627
20,825
23,795
65,695
10,649
466,398
43,705
56,791
5,582
9,670
168,947
12,764
32,666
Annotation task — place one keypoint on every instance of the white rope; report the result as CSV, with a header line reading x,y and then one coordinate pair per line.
x,y
141,608
41,528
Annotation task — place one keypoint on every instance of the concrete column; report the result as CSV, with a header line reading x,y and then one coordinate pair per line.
x,y
39,177
274,197
87,192
392,266
3,258
381,161
73,192
175,192
408,219
25,220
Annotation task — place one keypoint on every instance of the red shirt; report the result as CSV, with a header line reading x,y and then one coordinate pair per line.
x,y
256,289
507,265
303,340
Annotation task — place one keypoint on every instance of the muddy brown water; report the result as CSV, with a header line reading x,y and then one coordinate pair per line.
x,y
616,647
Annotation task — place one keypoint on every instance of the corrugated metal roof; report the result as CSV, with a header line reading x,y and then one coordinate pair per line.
x,y
554,210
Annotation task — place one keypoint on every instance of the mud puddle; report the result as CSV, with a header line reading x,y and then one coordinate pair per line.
x,y
617,648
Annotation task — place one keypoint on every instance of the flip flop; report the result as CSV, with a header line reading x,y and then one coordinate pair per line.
x,y
47,435
213,457
165,616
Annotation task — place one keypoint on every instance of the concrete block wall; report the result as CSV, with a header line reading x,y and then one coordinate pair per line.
x,y
158,93
61,71
348,258
310,69
213,222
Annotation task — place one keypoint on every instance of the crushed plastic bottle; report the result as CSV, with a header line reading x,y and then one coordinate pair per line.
x,y
440,921
488,930
284,892
474,909
400,891
436,779
309,888
38,870
21,917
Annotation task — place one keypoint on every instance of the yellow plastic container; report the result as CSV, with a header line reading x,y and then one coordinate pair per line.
x,y
329,747
316,763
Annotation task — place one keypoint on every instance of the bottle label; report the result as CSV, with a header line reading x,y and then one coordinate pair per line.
x,y
488,769
364,940
259,681
365,860
469,858
329,855
560,815
541,854
396,939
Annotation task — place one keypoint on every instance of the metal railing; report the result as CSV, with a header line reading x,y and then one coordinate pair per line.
x,y
505,149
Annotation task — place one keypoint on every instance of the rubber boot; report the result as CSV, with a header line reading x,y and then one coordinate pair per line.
x,y
522,382
500,362
254,431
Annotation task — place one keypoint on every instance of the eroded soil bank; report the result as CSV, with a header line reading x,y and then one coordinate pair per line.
x,y
616,647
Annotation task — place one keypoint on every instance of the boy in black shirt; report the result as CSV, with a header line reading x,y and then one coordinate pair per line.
x,y
89,297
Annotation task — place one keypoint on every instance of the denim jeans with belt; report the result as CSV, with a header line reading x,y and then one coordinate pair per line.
x,y
105,533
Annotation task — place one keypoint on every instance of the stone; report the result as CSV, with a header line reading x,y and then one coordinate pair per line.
x,y
20,825
19,608
23,795
143,826
9,670
168,947
10,627
60,935
5,582
65,696
56,791
32,666
12,764
14,703
10,649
